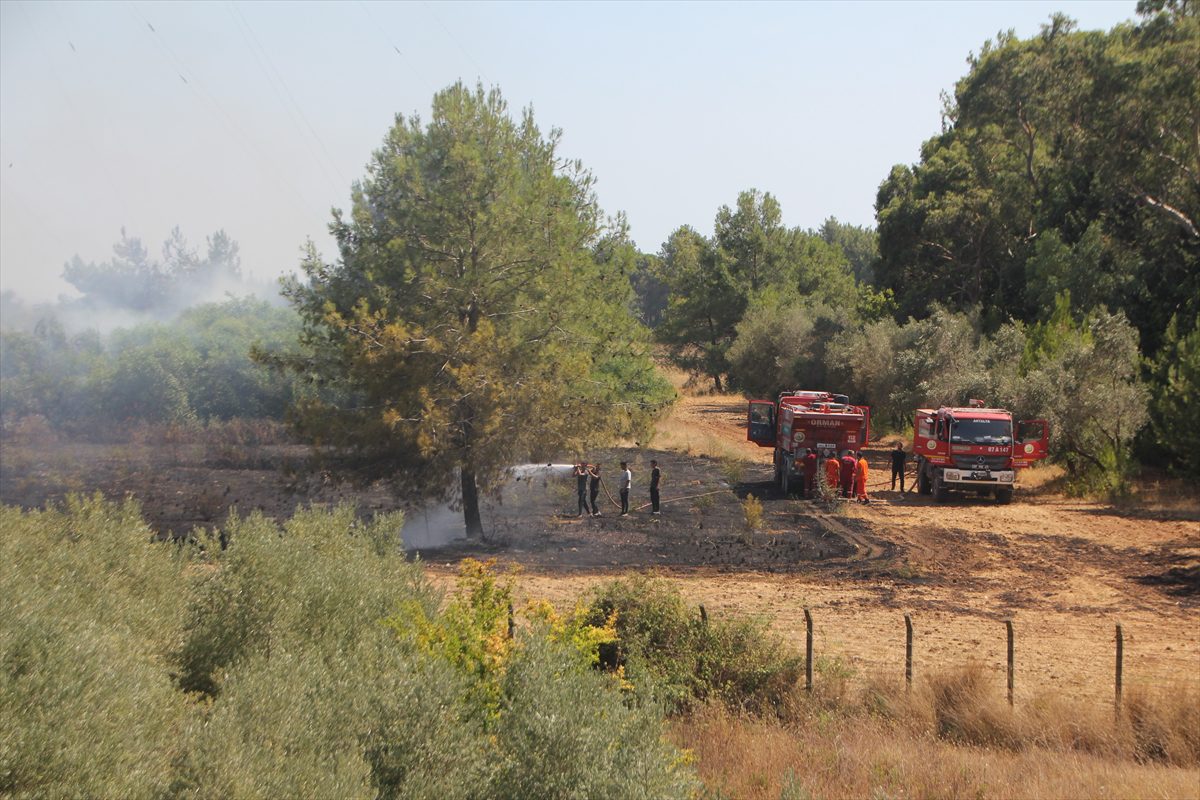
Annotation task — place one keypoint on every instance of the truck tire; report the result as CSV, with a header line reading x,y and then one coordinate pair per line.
x,y
778,473
1004,496
785,482
923,486
940,492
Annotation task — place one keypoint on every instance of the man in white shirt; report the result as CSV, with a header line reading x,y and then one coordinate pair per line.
x,y
626,481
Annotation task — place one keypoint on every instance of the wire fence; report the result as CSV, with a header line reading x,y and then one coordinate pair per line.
x,y
1089,658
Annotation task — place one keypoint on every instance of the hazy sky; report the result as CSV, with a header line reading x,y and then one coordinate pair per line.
x,y
256,117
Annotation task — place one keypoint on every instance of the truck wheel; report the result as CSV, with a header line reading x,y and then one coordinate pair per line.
x,y
778,474
940,492
785,483
1004,496
923,486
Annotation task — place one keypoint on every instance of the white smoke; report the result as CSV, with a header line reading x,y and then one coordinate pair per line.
x,y
441,524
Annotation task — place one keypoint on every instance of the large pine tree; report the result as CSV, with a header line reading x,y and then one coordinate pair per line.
x,y
470,321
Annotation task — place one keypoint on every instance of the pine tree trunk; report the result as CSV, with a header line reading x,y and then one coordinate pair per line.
x,y
470,501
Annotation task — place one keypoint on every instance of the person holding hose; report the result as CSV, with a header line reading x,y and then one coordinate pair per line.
x,y
626,482
581,477
594,486
655,477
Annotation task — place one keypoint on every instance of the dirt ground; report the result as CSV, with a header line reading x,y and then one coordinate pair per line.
x,y
1066,571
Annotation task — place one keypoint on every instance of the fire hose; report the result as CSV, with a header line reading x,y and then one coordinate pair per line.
x,y
668,500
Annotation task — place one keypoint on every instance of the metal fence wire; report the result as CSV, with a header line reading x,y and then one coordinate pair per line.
x,y
1096,659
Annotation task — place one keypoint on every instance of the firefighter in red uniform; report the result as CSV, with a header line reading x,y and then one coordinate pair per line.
x,y
810,472
849,465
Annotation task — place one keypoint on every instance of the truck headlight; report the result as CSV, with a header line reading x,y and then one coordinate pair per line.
x,y
1006,477
953,475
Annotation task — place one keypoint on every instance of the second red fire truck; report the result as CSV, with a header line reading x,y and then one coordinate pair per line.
x,y
974,449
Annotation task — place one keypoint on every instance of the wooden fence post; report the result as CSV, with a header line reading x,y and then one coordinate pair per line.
x,y
1120,669
808,664
511,621
703,614
1008,624
907,652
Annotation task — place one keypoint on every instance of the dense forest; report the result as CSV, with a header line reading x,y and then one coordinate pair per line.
x,y
1043,253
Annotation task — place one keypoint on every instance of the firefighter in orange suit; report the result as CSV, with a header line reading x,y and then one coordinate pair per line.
x,y
832,470
860,479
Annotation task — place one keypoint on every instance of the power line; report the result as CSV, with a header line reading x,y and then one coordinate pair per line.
x,y
457,43
80,119
248,143
293,108
378,29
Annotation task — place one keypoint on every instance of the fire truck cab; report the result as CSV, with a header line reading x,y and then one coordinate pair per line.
x,y
974,449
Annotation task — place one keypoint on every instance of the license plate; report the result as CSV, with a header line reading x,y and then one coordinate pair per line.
x,y
981,476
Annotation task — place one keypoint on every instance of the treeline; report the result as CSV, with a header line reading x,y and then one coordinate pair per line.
x,y
195,368
1042,254
150,338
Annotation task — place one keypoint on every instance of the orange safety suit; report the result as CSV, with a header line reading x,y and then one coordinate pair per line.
x,y
832,469
860,480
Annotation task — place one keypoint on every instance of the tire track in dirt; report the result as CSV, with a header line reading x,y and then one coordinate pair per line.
x,y
866,547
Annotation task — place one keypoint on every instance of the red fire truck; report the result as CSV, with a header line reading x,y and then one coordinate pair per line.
x,y
974,449
806,420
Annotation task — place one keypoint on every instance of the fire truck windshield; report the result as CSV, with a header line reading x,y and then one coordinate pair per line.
x,y
981,431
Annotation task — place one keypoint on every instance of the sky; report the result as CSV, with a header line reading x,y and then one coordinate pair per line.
x,y
256,117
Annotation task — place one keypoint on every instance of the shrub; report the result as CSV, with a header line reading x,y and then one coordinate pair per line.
x,y
733,470
364,722
314,583
296,688
671,656
563,732
752,511
90,605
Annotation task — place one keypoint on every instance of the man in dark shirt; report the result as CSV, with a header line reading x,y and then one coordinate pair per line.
x,y
899,457
581,480
594,486
655,477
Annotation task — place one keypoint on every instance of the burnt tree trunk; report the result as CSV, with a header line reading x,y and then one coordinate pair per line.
x,y
470,501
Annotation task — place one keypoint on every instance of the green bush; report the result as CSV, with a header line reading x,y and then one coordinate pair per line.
x,y
316,583
673,657
564,732
87,708
1175,408
132,668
